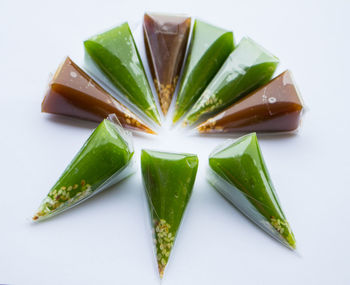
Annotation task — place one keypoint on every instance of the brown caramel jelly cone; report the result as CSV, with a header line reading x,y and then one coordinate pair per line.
x,y
166,39
73,93
275,107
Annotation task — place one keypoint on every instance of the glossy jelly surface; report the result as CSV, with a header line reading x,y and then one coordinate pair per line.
x,y
104,159
239,173
209,48
248,67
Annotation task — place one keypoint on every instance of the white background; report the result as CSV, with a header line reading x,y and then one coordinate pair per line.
x,y
107,239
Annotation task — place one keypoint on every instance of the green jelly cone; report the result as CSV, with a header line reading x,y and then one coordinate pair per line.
x,y
168,179
238,172
105,159
209,48
114,53
248,67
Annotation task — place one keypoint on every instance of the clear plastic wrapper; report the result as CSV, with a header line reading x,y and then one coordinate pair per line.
x,y
106,158
168,180
237,170
275,107
165,38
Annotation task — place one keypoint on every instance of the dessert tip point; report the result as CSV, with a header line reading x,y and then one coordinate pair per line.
x,y
161,271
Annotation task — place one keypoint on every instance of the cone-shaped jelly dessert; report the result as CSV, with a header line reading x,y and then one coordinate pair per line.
x,y
168,180
248,67
105,159
115,54
166,39
74,93
275,107
238,172
209,48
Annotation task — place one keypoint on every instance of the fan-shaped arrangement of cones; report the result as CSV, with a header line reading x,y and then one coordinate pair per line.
x,y
223,88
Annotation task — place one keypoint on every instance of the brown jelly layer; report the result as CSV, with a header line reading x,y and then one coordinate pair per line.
x,y
275,107
74,93
166,39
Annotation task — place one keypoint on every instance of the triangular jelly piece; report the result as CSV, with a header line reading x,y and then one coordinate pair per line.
x,y
248,67
166,39
115,54
168,179
105,159
208,50
74,93
238,172
275,107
